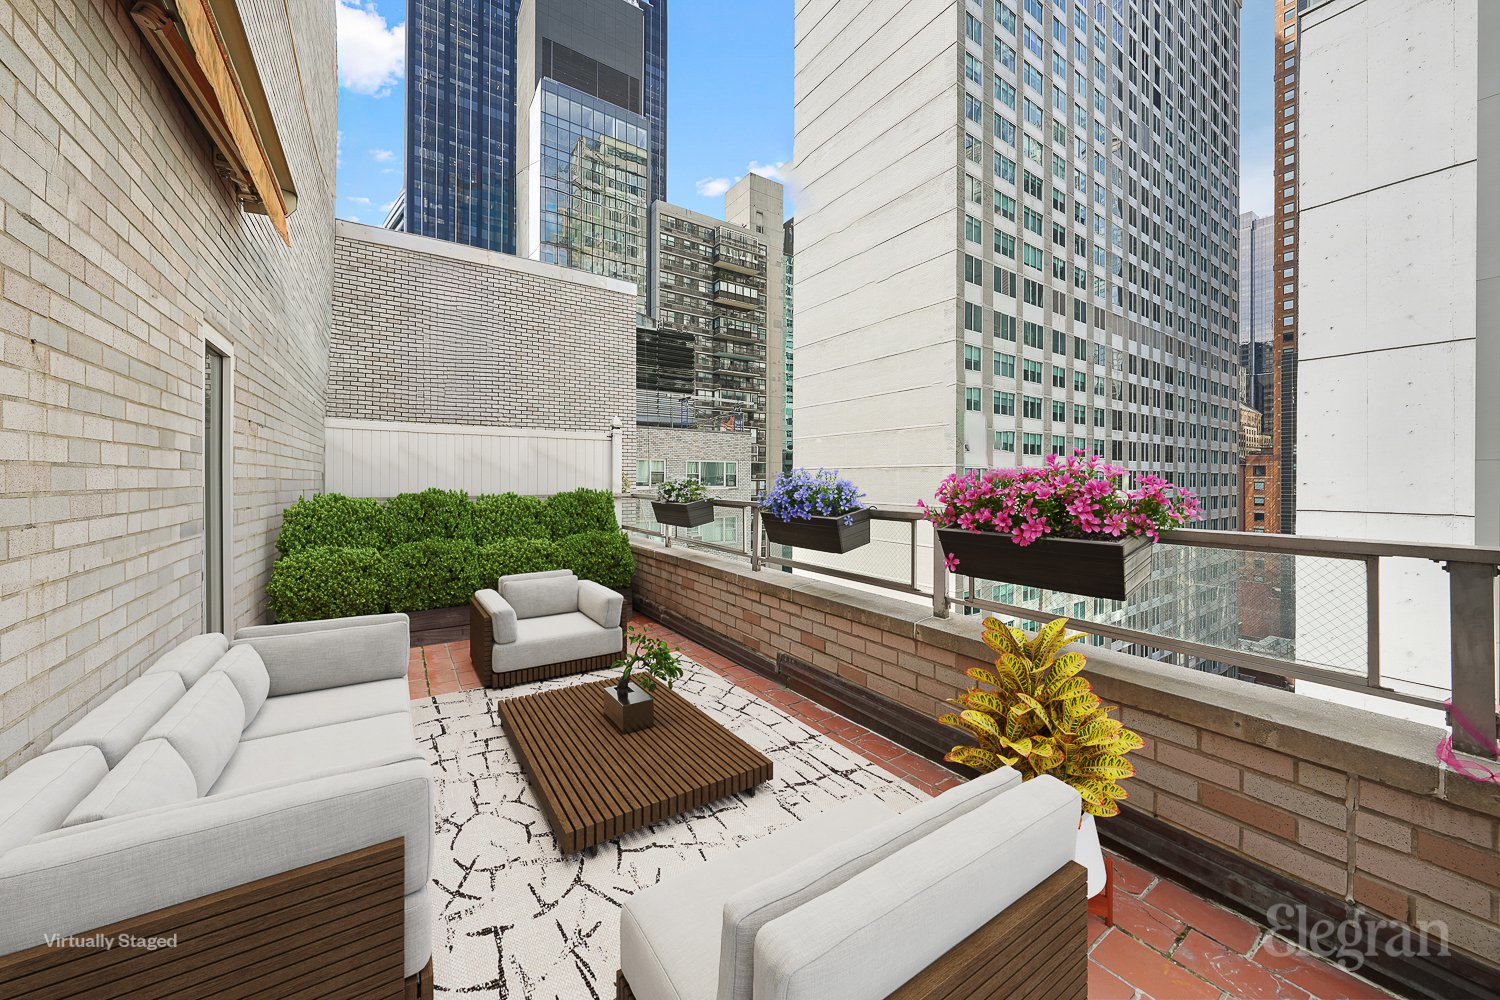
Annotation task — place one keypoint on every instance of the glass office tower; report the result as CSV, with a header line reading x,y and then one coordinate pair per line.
x,y
461,117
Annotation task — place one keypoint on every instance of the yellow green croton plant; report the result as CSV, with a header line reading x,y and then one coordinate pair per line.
x,y
1035,714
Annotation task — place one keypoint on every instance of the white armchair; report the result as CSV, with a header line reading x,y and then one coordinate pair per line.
x,y
535,626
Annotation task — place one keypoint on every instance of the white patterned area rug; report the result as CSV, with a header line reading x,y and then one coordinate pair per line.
x,y
512,918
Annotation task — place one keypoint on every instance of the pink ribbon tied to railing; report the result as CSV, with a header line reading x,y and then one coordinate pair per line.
x,y
1469,769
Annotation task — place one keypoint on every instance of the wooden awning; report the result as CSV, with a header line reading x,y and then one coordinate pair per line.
x,y
203,46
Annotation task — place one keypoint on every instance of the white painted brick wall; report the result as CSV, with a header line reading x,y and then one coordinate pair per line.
x,y
119,246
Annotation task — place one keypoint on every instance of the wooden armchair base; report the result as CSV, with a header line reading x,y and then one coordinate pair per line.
x,y
1037,949
481,653
333,928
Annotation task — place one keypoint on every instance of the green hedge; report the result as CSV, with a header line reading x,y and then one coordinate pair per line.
x,y
327,582
345,556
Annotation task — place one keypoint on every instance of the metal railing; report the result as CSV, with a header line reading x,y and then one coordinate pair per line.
x,y
1269,606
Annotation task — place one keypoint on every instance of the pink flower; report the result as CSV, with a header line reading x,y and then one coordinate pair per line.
x,y
951,562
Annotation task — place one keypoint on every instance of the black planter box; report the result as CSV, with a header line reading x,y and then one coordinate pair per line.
x,y
821,534
1089,567
684,515
632,715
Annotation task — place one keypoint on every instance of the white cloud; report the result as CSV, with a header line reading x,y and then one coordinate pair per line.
x,y
381,155
356,200
770,171
714,187
372,55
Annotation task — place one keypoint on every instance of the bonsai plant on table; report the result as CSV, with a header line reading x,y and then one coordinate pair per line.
x,y
816,511
1034,713
683,503
1070,525
647,662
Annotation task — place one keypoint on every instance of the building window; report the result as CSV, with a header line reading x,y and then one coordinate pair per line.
x,y
715,473
650,471
971,400
972,361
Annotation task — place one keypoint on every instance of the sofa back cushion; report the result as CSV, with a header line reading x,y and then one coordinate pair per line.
x,y
537,596
204,727
191,659
117,725
152,774
36,797
751,909
248,671
869,936
316,660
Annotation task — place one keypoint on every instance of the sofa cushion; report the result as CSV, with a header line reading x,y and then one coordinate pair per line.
x,y
36,797
118,724
152,774
872,934
191,659
204,727
314,753
291,713
669,933
749,911
502,615
320,625
317,659
555,639
600,603
540,596
245,667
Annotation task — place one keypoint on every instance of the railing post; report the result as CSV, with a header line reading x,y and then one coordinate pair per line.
x,y
754,538
1471,603
939,580
1372,621
913,580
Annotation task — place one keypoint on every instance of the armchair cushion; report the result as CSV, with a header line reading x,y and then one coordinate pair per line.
x,y
153,774
191,659
248,672
669,932
313,659
749,911
36,797
540,596
600,603
118,724
502,615
204,727
873,933
555,639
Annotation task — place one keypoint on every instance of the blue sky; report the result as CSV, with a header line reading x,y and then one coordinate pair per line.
x,y
729,99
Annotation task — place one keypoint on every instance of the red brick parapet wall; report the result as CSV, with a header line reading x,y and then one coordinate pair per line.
x,y
1261,794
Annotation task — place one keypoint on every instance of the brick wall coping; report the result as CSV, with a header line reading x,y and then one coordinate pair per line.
x,y
1389,750
380,236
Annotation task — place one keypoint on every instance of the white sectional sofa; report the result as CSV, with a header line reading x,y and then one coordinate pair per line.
x,y
536,626
222,765
861,903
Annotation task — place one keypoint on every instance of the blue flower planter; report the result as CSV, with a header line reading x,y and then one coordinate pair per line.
x,y
821,534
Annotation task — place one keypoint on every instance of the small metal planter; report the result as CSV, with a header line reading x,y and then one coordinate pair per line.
x,y
1109,568
684,515
631,714
821,534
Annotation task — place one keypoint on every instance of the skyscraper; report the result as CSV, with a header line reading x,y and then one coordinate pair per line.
x,y
462,115
1030,249
757,204
1284,342
1260,466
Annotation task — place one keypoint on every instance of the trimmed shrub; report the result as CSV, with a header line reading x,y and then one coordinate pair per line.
x,y
516,555
602,556
508,516
430,573
330,519
326,582
433,513
580,511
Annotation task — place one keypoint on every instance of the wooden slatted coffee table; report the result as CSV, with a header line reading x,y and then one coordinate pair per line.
x,y
595,783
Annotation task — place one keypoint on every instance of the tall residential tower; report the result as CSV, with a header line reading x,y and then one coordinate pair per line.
x,y
1018,235
462,116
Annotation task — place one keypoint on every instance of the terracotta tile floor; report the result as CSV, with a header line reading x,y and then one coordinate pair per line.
x,y
1167,943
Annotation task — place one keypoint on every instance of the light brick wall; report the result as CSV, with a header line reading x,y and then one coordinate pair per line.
x,y
1277,778
119,247
434,332
677,446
